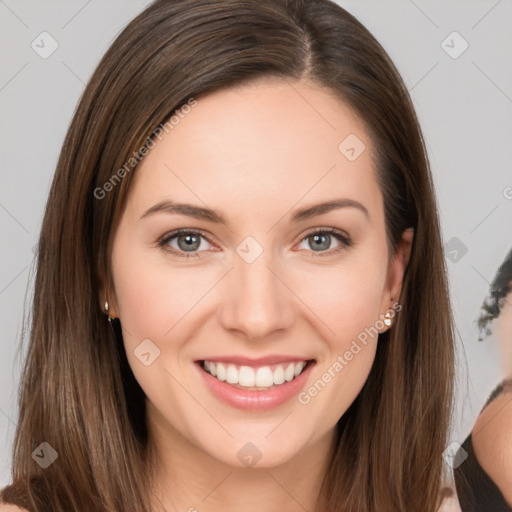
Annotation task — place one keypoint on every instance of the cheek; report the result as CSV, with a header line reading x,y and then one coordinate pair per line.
x,y
153,303
346,297
503,324
151,296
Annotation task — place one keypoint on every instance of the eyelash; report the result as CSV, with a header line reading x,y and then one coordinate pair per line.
x,y
345,240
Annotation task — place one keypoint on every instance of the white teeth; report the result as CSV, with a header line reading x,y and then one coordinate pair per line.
x,y
220,369
279,375
289,373
231,375
246,377
262,377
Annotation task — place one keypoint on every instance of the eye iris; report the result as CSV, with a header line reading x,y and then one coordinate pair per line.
x,y
191,242
326,238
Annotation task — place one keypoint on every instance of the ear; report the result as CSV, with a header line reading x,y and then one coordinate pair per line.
x,y
396,270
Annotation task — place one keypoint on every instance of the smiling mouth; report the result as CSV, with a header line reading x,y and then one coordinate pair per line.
x,y
259,378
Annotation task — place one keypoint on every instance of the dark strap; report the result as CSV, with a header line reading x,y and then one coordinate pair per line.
x,y
475,489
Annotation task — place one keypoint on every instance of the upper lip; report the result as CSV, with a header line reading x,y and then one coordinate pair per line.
x,y
260,361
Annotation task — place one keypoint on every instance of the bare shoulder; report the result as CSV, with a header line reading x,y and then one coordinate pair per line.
x,y
492,442
450,501
5,507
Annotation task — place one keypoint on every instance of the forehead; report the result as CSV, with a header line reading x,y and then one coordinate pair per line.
x,y
264,145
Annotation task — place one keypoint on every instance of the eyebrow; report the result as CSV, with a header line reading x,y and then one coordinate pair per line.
x,y
198,212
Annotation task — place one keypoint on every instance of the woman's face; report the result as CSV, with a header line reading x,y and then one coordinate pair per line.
x,y
259,283
503,327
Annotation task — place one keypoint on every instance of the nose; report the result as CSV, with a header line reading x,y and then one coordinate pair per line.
x,y
256,301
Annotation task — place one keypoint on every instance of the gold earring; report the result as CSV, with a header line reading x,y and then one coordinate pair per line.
x,y
387,319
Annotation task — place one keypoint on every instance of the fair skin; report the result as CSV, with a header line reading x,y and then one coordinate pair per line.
x,y
256,154
492,443
491,435
450,503
503,332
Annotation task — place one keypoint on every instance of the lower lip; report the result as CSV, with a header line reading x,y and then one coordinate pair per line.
x,y
255,400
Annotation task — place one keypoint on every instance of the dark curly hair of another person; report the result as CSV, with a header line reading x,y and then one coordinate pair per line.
x,y
494,302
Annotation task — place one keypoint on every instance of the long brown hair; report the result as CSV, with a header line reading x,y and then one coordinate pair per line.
x,y
77,391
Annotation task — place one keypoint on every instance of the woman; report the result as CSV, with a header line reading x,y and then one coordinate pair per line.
x,y
245,194
497,310
484,477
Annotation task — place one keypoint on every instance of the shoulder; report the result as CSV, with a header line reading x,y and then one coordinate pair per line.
x,y
450,501
492,442
5,507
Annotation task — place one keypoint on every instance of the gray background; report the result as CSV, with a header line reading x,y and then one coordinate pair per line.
x,y
464,105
